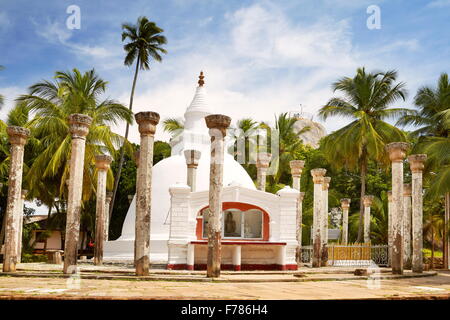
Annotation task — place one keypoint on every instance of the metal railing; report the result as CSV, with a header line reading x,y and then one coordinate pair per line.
x,y
351,255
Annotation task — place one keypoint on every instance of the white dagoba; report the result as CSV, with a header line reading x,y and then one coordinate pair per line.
x,y
171,171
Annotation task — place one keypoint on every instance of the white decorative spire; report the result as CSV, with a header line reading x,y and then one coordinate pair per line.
x,y
198,109
195,134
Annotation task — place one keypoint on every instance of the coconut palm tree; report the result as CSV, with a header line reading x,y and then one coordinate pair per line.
x,y
366,99
174,126
290,147
145,43
52,103
379,219
244,150
432,118
17,116
433,110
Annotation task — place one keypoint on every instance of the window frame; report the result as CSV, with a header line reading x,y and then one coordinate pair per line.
x,y
243,215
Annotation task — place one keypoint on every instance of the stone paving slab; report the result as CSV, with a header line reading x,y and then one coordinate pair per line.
x,y
436,287
89,271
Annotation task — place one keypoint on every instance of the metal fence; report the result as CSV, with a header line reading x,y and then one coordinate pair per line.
x,y
351,255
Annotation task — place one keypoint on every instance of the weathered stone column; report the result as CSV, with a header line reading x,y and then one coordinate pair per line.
x,y
217,125
147,122
136,155
318,175
192,157
407,225
325,187
102,163
416,163
345,205
17,138
79,129
262,163
20,215
390,231
296,172
367,204
397,152
108,198
299,229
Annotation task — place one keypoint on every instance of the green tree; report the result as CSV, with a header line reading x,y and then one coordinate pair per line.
x,y
52,103
245,133
290,147
17,116
432,117
366,99
174,126
145,43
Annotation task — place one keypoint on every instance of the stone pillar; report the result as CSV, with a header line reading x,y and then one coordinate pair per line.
x,y
345,205
108,198
324,227
318,175
407,225
102,163
217,125
147,122
416,163
236,258
397,152
262,163
136,155
190,261
296,172
79,129
20,215
17,138
390,231
192,157
367,200
299,222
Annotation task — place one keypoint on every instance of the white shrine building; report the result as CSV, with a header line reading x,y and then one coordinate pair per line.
x,y
259,228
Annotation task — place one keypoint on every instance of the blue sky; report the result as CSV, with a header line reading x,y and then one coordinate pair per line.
x,y
260,57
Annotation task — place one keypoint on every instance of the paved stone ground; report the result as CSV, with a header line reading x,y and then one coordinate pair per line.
x,y
345,287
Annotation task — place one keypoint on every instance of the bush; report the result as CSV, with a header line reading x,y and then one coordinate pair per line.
x,y
29,258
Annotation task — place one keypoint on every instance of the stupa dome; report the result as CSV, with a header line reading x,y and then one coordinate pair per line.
x,y
171,171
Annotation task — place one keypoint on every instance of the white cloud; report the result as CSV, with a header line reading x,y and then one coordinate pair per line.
x,y
409,45
239,72
439,4
10,94
263,63
53,32
56,32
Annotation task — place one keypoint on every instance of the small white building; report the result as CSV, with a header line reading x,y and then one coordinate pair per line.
x,y
259,228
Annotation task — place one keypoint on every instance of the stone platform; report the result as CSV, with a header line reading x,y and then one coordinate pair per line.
x,y
123,271
46,281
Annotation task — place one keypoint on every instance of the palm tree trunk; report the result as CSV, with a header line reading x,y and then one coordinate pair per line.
x,y
432,247
446,237
122,152
363,193
2,232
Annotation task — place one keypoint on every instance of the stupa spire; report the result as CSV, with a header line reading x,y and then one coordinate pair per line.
x,y
201,82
